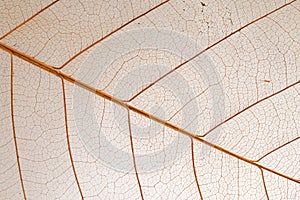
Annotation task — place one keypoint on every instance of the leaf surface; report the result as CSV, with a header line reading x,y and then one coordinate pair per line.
x,y
150,100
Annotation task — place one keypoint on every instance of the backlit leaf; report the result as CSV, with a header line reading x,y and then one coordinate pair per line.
x,y
150,99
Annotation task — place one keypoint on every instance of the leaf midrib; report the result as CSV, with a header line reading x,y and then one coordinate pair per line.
x,y
109,97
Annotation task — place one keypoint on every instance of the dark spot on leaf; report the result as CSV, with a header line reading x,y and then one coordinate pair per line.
x,y
203,4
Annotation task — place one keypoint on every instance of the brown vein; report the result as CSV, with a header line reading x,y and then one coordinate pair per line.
x,y
281,146
187,103
133,156
111,33
248,107
103,94
264,182
27,20
68,138
206,49
13,123
194,169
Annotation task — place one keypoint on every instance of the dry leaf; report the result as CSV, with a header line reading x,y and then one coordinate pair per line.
x,y
150,99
